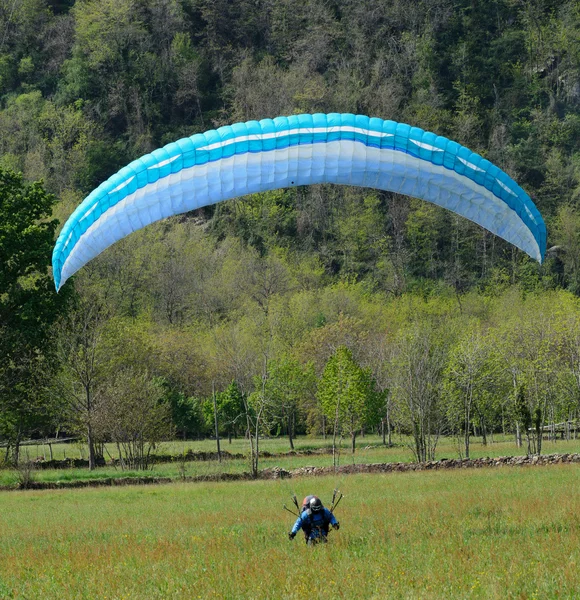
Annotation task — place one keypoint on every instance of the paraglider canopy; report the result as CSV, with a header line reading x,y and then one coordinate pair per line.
x,y
256,156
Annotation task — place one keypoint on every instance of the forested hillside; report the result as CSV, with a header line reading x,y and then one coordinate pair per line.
x,y
281,291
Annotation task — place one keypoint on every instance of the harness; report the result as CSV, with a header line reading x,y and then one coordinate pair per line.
x,y
310,526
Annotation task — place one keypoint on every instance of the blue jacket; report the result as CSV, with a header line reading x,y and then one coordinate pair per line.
x,y
314,524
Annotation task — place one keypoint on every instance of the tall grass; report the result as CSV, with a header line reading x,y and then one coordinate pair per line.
x,y
495,533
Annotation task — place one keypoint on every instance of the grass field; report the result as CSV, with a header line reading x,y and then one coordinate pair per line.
x,y
369,450
401,450
491,533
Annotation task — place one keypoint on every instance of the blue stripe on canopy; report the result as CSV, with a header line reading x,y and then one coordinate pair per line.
x,y
256,156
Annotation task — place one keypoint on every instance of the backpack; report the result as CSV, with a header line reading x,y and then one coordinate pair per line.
x,y
323,528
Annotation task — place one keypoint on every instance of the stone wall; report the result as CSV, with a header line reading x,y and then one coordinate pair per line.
x,y
279,473
444,463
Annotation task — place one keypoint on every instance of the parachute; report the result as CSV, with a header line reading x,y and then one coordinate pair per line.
x,y
256,156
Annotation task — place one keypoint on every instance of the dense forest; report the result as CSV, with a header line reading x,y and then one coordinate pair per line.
x,y
321,309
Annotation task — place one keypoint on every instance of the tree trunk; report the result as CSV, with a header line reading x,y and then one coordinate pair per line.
x,y
466,439
215,418
353,440
257,452
16,452
249,435
290,431
420,442
529,441
121,460
335,457
91,445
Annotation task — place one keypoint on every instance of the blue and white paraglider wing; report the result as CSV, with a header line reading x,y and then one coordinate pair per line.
x,y
304,149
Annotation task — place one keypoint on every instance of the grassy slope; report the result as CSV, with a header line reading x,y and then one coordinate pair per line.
x,y
506,533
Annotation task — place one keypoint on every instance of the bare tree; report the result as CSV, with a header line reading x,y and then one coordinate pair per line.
x,y
81,352
134,417
242,354
417,370
377,354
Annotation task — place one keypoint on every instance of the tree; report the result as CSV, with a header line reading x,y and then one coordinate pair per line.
x,y
570,352
467,374
134,415
230,409
378,354
186,412
417,380
224,411
29,305
85,365
241,351
567,252
287,385
532,342
348,396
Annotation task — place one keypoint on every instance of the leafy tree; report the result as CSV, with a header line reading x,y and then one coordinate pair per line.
x,y
29,305
186,412
529,349
230,410
567,250
361,236
378,353
348,396
287,385
468,375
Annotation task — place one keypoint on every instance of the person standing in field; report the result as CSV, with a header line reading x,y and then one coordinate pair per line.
x,y
315,521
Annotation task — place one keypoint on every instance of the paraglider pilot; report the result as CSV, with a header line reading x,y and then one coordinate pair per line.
x,y
315,520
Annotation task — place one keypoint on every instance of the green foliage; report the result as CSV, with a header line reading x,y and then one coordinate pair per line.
x,y
86,86
266,289
230,411
472,382
348,394
186,413
28,305
135,416
289,385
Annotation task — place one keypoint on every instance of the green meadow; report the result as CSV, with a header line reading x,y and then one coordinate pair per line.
x,y
369,450
486,533
399,451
